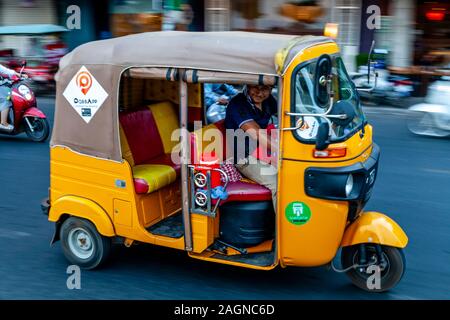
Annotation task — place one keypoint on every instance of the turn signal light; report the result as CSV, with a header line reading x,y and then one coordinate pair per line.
x,y
331,30
330,153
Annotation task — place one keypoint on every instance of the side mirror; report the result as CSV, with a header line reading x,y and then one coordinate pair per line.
x,y
322,80
323,133
23,63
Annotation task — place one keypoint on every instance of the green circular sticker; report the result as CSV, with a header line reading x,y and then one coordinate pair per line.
x,y
298,213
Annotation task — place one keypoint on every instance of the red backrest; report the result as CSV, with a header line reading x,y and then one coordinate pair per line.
x,y
142,134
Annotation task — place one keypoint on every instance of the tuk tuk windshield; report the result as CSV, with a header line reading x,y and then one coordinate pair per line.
x,y
305,102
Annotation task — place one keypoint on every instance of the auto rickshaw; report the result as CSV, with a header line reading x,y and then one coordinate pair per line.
x,y
127,107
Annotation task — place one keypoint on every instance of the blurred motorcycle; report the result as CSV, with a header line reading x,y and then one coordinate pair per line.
x,y
391,89
24,114
432,118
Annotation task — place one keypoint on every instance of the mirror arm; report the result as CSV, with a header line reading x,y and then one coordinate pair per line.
x,y
371,88
369,60
325,116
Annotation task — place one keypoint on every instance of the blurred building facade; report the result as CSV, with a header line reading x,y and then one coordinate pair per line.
x,y
412,31
13,12
406,29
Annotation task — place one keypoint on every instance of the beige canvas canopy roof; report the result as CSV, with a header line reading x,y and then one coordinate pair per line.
x,y
240,53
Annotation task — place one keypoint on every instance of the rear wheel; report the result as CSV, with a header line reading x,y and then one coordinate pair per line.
x,y
82,244
41,129
390,272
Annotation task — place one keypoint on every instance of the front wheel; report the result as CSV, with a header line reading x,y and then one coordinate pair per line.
x,y
378,277
82,244
37,129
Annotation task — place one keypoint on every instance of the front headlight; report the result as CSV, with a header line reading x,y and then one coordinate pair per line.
x,y
349,185
25,92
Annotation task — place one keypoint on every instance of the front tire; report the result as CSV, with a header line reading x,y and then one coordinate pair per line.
x,y
390,274
82,245
41,129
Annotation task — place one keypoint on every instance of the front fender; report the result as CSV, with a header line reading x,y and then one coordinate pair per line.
x,y
34,112
83,208
374,227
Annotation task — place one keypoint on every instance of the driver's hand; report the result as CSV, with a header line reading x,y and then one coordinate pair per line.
x,y
24,75
222,101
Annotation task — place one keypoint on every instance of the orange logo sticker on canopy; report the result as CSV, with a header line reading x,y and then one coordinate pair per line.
x,y
84,81
85,94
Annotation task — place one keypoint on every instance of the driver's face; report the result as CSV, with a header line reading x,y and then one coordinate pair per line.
x,y
259,93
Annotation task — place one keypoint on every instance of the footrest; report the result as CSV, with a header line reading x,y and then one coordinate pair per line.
x,y
171,227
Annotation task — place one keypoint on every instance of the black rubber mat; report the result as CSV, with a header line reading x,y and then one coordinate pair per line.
x,y
171,227
262,259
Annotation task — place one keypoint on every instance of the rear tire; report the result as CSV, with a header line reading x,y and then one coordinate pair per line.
x,y
82,245
41,129
389,276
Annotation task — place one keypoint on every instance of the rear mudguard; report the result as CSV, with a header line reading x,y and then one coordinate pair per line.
x,y
34,112
374,227
82,208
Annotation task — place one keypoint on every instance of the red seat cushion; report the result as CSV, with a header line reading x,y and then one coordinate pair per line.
x,y
246,191
142,135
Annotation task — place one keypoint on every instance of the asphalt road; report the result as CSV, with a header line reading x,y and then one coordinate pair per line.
x,y
412,187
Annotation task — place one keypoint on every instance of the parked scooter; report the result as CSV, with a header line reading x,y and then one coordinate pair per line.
x,y
432,118
24,114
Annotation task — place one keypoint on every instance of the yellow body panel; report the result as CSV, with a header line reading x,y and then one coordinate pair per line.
x,y
317,241
202,232
77,176
375,227
122,213
89,178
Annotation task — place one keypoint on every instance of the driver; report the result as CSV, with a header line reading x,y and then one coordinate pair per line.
x,y
5,97
251,111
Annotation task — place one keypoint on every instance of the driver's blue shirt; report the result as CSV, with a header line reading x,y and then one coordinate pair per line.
x,y
240,110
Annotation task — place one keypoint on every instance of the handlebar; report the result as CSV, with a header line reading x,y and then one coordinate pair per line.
x,y
13,79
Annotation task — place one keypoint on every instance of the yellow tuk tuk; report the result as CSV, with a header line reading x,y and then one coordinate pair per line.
x,y
130,136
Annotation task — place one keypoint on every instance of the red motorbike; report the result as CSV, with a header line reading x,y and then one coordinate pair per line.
x,y
24,114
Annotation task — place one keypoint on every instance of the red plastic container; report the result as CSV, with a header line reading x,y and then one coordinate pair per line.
x,y
210,161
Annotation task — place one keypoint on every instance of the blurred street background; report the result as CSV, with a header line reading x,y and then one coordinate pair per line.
x,y
412,36
412,187
412,57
